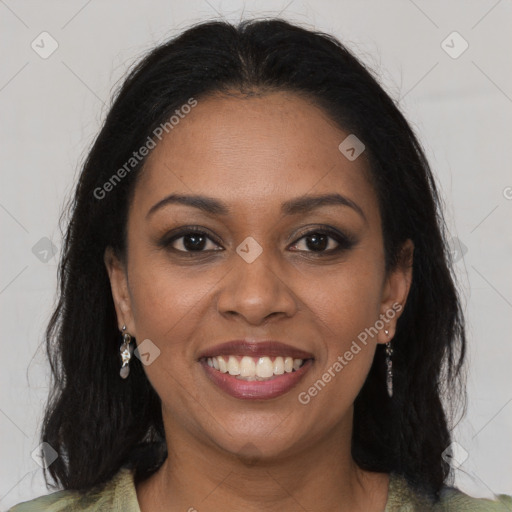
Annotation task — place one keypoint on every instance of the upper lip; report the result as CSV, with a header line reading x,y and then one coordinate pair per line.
x,y
255,349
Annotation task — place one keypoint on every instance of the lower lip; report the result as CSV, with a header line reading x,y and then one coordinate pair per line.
x,y
256,390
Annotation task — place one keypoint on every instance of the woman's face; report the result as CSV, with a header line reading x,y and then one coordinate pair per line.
x,y
256,275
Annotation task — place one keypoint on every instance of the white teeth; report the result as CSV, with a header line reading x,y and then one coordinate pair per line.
x,y
233,366
223,367
279,366
249,368
265,367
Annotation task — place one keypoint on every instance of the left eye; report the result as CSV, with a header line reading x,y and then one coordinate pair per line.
x,y
320,241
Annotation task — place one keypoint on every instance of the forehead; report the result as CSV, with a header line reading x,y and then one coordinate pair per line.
x,y
253,152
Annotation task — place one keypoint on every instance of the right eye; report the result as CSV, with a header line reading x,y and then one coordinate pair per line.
x,y
189,241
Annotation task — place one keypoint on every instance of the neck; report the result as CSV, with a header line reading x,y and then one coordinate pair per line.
x,y
322,477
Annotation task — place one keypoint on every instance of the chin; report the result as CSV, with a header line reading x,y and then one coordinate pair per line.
x,y
254,445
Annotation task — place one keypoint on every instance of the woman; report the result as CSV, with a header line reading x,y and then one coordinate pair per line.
x,y
258,219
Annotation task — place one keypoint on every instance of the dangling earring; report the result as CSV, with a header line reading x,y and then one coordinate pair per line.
x,y
389,367
125,350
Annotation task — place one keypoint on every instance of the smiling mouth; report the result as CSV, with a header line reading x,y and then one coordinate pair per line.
x,y
248,368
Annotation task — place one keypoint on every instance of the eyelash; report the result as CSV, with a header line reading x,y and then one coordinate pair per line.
x,y
345,242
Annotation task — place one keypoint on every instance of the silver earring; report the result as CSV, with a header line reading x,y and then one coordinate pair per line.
x,y
125,350
389,367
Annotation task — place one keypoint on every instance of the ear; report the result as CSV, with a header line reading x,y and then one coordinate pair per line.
x,y
395,291
120,290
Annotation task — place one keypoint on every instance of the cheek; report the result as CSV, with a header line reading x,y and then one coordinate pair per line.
x,y
163,294
170,306
166,309
346,306
164,305
348,300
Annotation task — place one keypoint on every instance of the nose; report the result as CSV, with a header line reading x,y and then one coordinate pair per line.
x,y
256,291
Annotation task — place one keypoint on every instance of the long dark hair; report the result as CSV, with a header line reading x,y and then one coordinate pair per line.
x,y
98,422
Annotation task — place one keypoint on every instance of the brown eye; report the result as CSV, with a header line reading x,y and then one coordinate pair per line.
x,y
324,241
189,241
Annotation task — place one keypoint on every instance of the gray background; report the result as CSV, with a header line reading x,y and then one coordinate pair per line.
x,y
460,104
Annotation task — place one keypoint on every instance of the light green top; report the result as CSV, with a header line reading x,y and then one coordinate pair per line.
x,y
119,496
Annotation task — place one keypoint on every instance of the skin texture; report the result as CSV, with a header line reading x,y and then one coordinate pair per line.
x,y
254,153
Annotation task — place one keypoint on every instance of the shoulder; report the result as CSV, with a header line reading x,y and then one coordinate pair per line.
x,y
402,498
454,500
117,495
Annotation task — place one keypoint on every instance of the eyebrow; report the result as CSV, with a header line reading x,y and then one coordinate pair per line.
x,y
298,205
